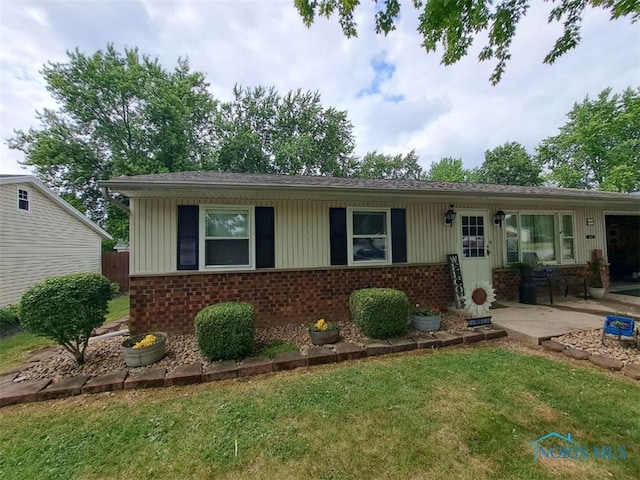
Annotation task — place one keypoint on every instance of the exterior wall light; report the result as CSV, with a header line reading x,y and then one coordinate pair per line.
x,y
450,216
499,217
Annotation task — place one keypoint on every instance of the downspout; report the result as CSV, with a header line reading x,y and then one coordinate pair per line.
x,y
112,201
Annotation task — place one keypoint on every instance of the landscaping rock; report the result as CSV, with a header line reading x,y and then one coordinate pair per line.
x,y
64,388
424,341
7,378
254,366
553,346
472,337
494,333
21,392
288,361
320,355
575,353
349,351
605,362
402,344
221,371
147,378
632,371
448,338
184,375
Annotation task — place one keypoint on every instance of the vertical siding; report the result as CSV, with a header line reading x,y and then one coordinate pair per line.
x,y
302,231
43,242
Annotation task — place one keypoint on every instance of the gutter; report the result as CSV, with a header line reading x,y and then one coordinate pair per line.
x,y
112,201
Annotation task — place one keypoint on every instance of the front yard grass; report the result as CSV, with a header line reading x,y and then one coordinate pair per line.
x,y
16,349
463,413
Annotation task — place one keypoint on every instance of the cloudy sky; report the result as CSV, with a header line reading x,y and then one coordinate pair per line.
x,y
398,97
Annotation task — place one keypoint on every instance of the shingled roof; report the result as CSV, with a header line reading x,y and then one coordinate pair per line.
x,y
226,179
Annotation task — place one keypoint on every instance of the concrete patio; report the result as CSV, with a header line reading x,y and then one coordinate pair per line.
x,y
535,323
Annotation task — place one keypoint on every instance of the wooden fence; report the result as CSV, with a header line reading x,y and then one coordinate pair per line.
x,y
115,266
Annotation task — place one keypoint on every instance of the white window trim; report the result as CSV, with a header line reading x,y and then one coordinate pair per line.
x,y
389,252
250,209
23,189
558,235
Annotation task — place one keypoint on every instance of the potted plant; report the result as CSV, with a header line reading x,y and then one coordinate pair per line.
x,y
141,350
425,318
323,332
527,288
594,277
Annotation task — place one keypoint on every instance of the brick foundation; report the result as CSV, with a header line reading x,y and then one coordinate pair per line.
x,y
506,282
170,302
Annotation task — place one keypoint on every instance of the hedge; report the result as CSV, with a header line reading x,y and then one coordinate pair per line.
x,y
380,312
226,331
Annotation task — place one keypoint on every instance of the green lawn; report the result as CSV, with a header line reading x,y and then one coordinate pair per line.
x,y
15,349
459,413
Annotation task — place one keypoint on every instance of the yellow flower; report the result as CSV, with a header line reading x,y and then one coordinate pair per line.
x,y
321,325
146,341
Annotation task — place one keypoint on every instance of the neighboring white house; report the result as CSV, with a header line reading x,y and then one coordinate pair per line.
x,y
41,236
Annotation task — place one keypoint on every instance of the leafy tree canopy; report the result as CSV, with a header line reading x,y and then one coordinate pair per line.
x,y
396,167
454,25
509,164
599,147
449,170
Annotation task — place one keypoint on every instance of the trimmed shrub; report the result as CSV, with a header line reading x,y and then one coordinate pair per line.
x,y
9,317
380,312
66,309
226,331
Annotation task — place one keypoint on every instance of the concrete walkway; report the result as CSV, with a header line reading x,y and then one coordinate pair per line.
x,y
536,323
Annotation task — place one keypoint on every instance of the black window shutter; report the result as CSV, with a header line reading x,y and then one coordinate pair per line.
x,y
338,235
265,238
399,235
188,221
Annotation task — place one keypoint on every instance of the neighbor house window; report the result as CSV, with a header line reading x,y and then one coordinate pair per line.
x,y
23,199
368,232
227,237
539,237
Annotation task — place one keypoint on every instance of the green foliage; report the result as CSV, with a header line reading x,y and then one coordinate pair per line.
x,y
274,348
380,312
509,164
66,309
260,131
599,146
9,317
453,26
225,331
395,167
448,170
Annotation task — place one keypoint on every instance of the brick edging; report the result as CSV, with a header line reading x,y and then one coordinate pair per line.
x,y
38,390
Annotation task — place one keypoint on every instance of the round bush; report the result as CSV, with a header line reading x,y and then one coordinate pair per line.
x,y
226,331
380,312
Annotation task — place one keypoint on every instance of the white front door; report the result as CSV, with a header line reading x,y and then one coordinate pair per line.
x,y
474,247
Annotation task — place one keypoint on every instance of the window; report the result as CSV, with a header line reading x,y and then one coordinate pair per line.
x,y
368,236
23,199
539,237
226,240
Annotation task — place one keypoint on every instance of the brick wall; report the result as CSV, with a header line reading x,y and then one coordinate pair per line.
x,y
170,303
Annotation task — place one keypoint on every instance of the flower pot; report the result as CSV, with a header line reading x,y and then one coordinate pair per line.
x,y
324,337
139,357
421,322
596,292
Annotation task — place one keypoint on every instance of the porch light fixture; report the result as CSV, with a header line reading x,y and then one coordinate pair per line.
x,y
449,216
499,217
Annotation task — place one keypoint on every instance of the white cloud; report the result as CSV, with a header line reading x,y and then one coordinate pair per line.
x,y
443,111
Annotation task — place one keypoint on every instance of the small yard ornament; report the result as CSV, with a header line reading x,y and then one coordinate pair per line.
x,y
479,298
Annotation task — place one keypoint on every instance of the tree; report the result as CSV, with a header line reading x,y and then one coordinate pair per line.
x,y
509,164
262,132
449,170
454,25
379,165
599,147
118,114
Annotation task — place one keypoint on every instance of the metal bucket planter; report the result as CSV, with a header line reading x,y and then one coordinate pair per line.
x,y
139,357
421,322
324,337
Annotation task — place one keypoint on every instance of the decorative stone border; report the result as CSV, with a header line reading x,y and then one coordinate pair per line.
x,y
37,390
631,370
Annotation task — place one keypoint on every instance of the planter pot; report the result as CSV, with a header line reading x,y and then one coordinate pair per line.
x,y
323,338
596,292
527,288
420,322
139,357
